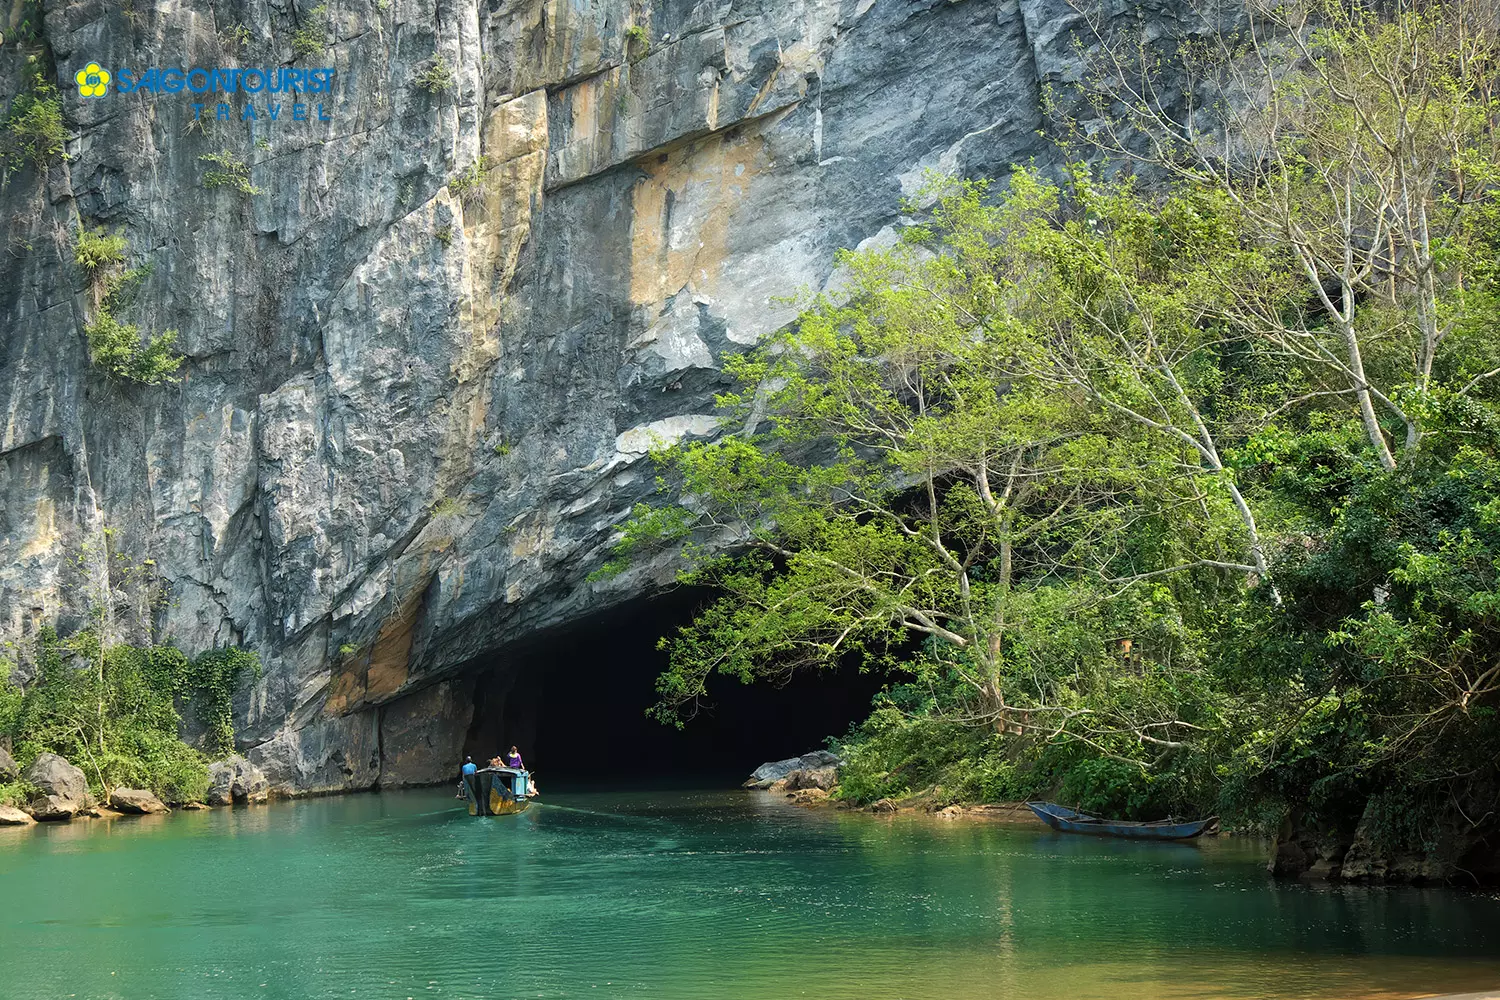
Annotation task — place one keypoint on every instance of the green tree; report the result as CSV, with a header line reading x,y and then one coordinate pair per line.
x,y
1361,151
909,468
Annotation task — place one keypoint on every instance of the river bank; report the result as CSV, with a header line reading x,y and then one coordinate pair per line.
x,y
1304,847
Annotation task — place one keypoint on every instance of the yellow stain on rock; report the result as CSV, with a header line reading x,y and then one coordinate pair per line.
x,y
390,659
682,210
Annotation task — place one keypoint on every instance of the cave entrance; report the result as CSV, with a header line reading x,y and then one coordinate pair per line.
x,y
574,700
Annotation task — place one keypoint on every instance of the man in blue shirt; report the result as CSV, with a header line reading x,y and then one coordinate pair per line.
x,y
463,786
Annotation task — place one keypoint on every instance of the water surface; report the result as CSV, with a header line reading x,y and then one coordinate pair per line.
x,y
701,895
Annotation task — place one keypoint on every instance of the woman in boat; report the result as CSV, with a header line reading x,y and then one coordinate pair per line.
x,y
513,759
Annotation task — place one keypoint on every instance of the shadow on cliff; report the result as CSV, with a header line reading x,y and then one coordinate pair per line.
x,y
574,701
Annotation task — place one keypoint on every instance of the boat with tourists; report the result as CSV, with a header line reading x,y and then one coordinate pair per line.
x,y
1065,820
498,791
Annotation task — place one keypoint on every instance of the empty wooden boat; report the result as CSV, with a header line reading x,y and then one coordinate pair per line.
x,y
1066,820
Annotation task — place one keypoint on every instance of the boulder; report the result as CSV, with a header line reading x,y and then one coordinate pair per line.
x,y
234,780
820,778
8,769
136,800
771,772
62,790
884,806
11,816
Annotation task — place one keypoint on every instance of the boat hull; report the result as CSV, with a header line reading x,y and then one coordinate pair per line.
x,y
494,792
1065,820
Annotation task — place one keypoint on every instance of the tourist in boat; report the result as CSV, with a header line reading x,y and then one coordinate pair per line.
x,y
513,759
463,786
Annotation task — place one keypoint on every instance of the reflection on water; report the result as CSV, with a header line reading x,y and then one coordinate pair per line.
x,y
694,895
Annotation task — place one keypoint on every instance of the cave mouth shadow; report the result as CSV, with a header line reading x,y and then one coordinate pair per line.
x,y
574,698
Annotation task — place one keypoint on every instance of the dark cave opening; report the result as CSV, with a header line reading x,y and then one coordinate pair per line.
x,y
574,700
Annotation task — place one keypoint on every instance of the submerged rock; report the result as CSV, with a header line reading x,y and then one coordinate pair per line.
x,y
62,789
769,773
11,816
136,800
234,780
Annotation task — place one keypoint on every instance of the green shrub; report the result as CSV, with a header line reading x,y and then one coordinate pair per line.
x,y
1108,787
636,42
117,348
208,684
98,249
34,129
227,170
112,711
312,37
466,183
236,36
437,78
16,793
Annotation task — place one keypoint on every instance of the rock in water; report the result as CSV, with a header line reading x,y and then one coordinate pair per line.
x,y
136,800
8,769
773,771
234,780
63,789
11,816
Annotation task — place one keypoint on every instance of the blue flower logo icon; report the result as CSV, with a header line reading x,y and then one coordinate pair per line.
x,y
92,80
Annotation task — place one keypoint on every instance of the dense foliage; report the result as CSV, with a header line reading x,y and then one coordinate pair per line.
x,y
34,133
113,710
115,346
1157,500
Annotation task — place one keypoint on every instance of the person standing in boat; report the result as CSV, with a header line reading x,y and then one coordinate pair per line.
x,y
463,784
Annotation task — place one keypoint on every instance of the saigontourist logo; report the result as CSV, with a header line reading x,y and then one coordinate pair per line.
x,y
92,80
245,94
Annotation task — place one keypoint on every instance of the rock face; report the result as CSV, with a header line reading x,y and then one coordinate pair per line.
x,y
8,769
136,800
1452,849
818,762
236,781
431,339
62,789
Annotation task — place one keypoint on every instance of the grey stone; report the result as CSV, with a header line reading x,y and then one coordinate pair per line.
x,y
136,800
414,413
11,816
236,781
9,771
777,770
62,790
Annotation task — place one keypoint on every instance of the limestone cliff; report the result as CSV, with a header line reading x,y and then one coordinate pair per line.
x,y
431,341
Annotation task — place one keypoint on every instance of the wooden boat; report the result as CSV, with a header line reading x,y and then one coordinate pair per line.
x,y
497,791
1066,820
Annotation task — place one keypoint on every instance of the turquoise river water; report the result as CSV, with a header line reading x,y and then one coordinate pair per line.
x,y
675,894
